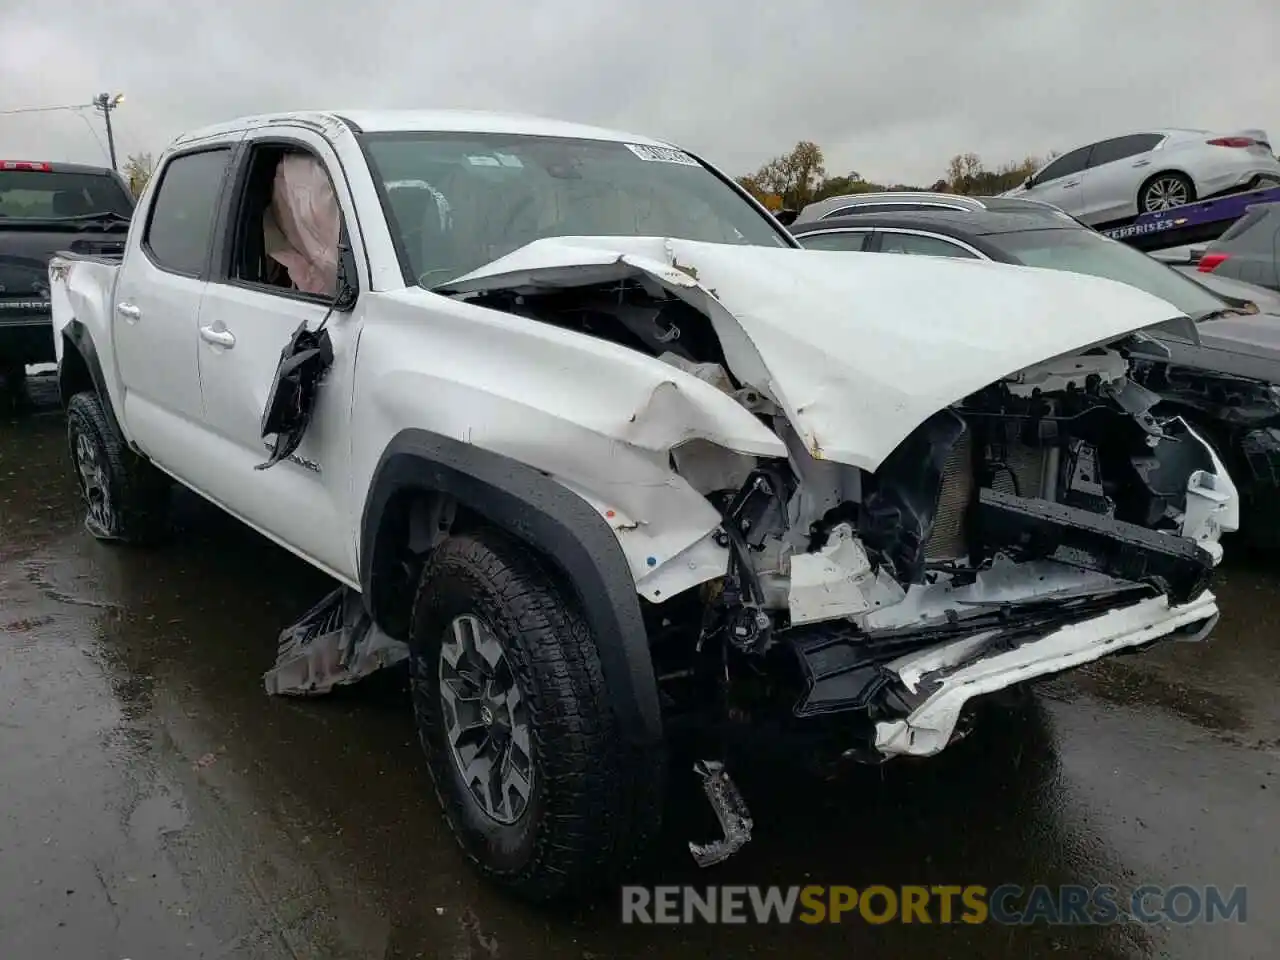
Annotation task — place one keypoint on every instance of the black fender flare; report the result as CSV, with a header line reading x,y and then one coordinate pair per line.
x,y
528,505
76,336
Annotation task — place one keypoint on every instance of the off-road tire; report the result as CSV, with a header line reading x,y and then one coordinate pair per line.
x,y
595,804
136,493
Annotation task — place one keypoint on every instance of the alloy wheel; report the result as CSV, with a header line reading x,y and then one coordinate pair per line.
x,y
1165,194
486,719
93,481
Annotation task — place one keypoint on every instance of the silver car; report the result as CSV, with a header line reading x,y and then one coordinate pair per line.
x,y
1144,172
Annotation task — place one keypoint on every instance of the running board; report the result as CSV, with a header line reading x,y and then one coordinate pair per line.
x,y
333,644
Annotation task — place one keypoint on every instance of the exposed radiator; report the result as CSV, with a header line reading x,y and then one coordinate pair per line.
x,y
1024,477
947,542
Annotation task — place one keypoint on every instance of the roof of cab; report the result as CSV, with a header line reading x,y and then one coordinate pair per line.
x,y
444,121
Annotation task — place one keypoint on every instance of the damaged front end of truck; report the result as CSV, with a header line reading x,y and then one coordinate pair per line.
x,y
883,574
945,509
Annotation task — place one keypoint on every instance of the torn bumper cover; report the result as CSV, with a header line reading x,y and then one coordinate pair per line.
x,y
1134,586
943,679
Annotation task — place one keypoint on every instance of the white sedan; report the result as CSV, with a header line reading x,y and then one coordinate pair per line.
x,y
1144,172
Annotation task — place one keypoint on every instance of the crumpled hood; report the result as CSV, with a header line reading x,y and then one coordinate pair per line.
x,y
858,349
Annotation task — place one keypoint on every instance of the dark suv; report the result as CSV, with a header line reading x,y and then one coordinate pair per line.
x,y
46,207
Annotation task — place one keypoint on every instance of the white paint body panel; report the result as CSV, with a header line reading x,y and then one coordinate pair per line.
x,y
857,350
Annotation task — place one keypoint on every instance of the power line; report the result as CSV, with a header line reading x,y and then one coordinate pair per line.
x,y
68,106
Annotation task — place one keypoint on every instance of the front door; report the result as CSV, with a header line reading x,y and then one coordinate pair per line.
x,y
249,313
1060,182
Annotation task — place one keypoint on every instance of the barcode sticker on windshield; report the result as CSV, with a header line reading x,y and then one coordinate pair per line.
x,y
661,154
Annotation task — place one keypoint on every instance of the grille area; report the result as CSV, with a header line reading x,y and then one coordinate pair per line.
x,y
947,541
1025,465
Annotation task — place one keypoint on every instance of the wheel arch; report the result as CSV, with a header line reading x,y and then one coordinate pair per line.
x,y
80,368
529,506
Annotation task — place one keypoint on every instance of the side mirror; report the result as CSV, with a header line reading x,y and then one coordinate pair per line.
x,y
1028,183
786,216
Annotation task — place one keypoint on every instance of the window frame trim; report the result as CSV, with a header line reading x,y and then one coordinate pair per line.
x,y
144,243
977,254
1088,155
233,204
868,233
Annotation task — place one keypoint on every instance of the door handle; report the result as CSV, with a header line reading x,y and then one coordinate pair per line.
x,y
129,311
1071,183
1142,163
219,338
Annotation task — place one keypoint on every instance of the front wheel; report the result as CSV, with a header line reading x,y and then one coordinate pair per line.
x,y
537,785
125,498
1165,191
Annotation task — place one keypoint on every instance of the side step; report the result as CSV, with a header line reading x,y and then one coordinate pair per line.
x,y
333,644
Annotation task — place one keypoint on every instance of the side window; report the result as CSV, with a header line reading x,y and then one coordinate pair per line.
x,y
1120,148
891,242
1065,165
181,219
288,223
848,240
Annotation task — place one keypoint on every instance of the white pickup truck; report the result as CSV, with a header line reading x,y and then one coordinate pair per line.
x,y
575,420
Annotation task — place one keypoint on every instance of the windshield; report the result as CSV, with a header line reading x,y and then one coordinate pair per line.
x,y
1083,251
457,201
41,195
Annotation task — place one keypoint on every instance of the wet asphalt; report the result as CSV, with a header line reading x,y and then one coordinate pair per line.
x,y
155,803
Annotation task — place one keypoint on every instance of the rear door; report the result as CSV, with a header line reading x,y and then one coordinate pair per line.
x,y
157,305
1059,182
1114,175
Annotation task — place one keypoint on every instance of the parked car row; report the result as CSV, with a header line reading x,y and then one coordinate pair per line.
x,y
592,440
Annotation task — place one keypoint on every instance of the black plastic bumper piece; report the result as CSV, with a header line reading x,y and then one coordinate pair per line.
x,y
1032,529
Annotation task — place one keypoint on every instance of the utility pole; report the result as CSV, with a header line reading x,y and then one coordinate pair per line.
x,y
106,103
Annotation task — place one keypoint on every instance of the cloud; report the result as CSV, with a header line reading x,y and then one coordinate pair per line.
x,y
889,90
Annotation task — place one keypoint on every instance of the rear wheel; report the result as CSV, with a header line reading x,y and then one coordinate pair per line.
x,y
126,499
1165,191
541,792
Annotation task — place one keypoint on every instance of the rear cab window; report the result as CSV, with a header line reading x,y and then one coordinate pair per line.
x,y
181,220
48,194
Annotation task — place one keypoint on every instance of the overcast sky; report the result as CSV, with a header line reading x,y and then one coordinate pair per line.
x,y
890,89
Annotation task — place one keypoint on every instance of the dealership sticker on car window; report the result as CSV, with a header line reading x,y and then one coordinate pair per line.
x,y
661,154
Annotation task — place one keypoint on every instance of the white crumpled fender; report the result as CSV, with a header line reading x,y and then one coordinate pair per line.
x,y
598,418
857,349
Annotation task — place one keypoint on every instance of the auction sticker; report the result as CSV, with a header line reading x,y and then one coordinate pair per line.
x,y
661,154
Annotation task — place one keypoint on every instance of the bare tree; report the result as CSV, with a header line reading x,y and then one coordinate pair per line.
x,y
137,171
